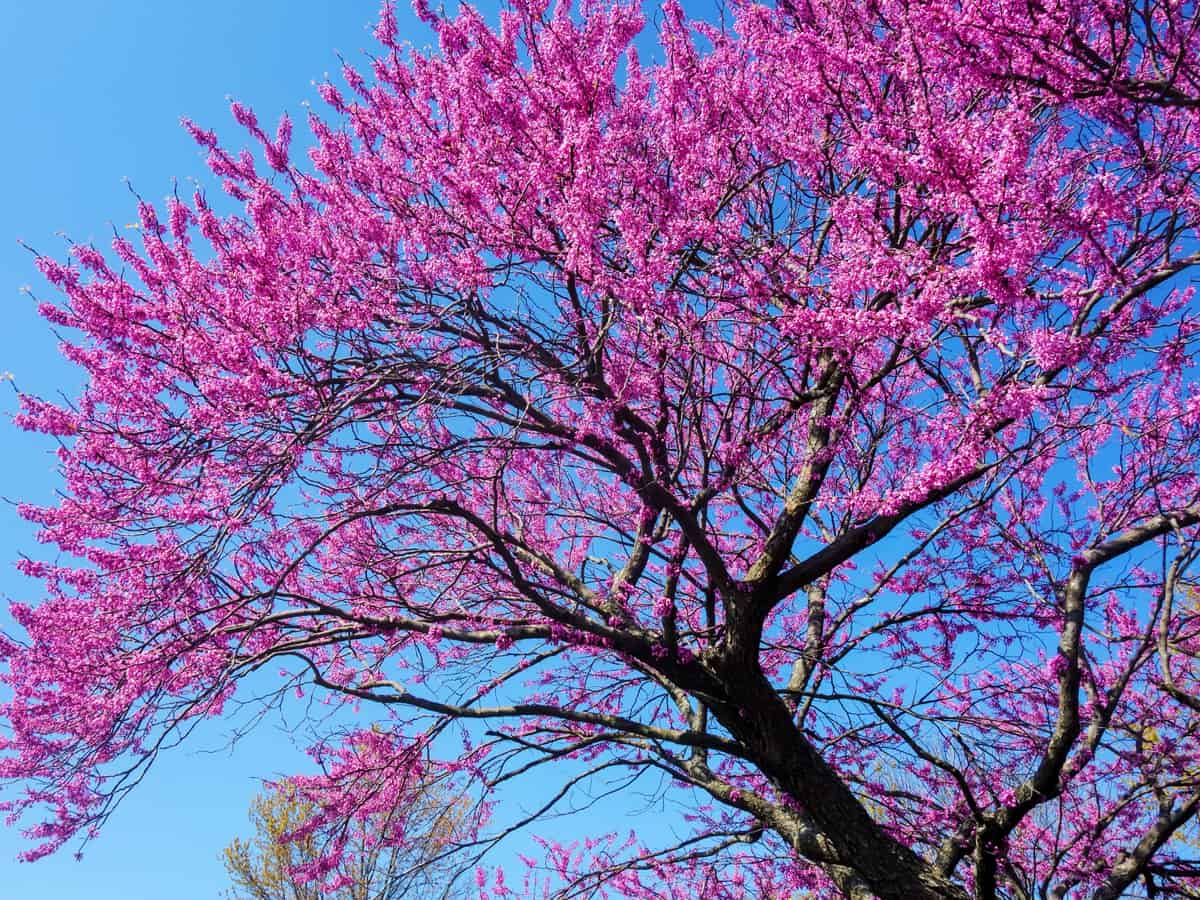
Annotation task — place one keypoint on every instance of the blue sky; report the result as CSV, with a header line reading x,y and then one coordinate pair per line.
x,y
96,90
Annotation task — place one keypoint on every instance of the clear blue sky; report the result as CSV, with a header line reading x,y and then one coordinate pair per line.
x,y
95,92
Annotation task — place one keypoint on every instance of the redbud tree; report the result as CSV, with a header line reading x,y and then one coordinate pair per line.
x,y
797,420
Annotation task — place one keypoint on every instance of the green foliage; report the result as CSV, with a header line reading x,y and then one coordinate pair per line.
x,y
266,866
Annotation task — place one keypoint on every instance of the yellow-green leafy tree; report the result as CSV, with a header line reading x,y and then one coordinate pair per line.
x,y
270,864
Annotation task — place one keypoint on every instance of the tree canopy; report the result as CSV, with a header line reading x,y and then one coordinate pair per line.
x,y
390,855
797,418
